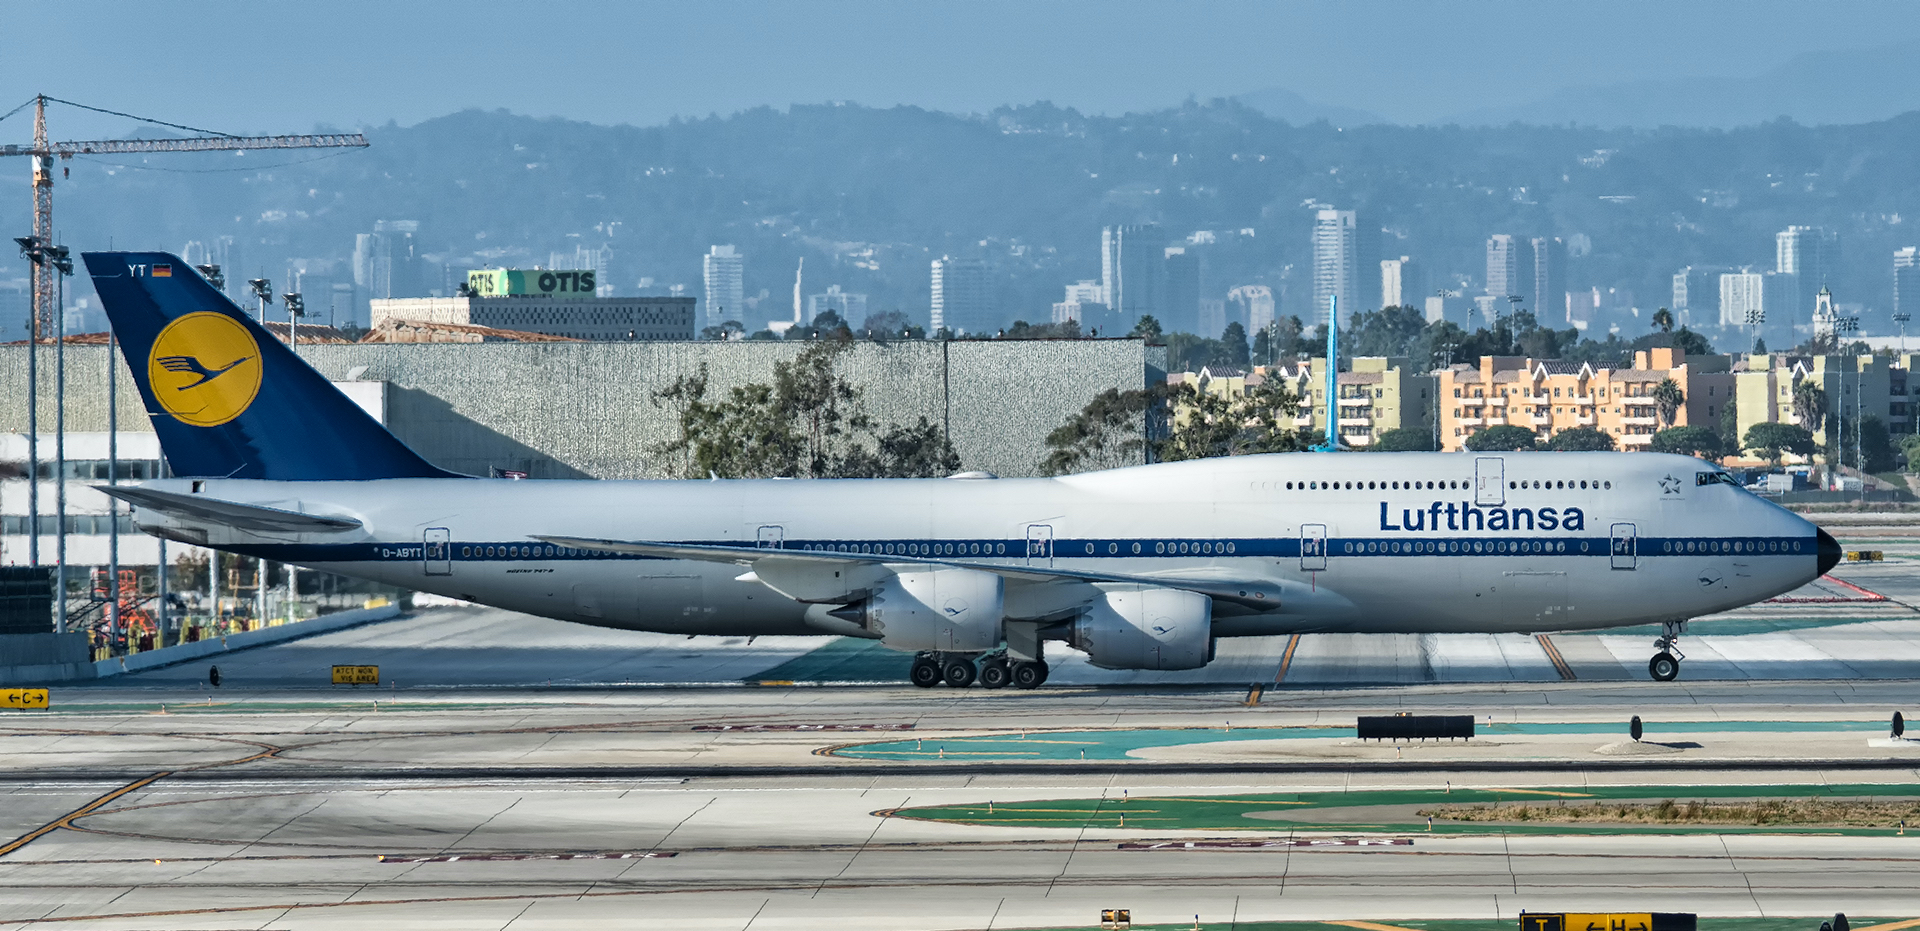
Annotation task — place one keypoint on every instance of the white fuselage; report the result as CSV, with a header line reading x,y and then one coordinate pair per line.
x,y
1388,542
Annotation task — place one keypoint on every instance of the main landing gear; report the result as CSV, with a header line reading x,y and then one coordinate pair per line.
x,y
994,671
1665,665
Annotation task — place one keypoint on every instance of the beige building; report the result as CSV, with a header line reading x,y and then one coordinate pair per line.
x,y
1550,396
1865,385
1380,394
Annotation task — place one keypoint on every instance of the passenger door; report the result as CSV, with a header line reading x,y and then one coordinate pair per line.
x,y
436,551
1313,547
1626,546
1040,545
772,537
1490,481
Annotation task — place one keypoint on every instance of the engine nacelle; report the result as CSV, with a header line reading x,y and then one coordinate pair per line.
x,y
951,610
1146,628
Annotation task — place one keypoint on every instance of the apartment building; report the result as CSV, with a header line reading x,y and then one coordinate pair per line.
x,y
1548,396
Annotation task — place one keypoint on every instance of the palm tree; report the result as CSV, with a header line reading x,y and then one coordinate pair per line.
x,y
1810,405
1669,397
1663,319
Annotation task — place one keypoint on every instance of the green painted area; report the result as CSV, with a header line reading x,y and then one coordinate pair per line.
x,y
1216,923
1387,810
847,659
1117,744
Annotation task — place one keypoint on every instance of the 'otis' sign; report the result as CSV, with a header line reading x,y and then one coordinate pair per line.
x,y
531,282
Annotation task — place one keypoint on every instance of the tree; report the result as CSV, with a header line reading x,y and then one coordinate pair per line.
x,y
1875,444
1668,398
1774,440
1688,441
890,324
1402,440
1809,405
1147,328
1206,425
810,423
1108,432
1234,340
1663,319
1502,438
1581,439
728,330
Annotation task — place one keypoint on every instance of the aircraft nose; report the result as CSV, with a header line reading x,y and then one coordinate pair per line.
x,y
1829,551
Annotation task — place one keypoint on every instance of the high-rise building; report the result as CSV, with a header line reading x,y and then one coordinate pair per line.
x,y
385,261
1509,272
1401,283
1742,299
599,260
1253,304
852,308
1180,285
1213,316
1696,290
1132,260
1337,256
1549,278
1810,253
960,295
1906,280
725,273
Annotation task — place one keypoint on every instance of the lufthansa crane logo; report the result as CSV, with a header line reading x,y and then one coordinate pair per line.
x,y
204,369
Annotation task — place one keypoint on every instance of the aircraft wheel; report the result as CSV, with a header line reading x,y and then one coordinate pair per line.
x,y
960,672
1029,675
995,673
925,673
1664,667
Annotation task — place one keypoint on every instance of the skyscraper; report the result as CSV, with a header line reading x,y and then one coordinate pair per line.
x,y
1906,280
1401,283
1336,263
1810,253
384,263
1254,304
960,295
725,273
1509,273
1180,285
1132,260
1549,278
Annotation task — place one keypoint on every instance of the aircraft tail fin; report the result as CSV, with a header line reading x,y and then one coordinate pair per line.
x,y
226,397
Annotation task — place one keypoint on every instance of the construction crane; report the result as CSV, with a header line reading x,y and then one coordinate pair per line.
x,y
44,152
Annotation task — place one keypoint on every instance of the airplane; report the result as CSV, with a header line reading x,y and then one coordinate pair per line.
x,y
1142,568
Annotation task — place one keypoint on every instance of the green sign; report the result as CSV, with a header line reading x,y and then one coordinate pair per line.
x,y
541,282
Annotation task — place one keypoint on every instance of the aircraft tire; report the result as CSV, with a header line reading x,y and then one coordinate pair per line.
x,y
925,673
1029,675
1663,667
960,672
995,673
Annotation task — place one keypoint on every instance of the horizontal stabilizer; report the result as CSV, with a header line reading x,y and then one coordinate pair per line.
x,y
227,513
1259,594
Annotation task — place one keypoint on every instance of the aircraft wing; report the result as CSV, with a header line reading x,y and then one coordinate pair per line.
x,y
1260,594
229,513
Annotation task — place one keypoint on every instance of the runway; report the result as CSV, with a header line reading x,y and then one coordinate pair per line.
x,y
665,783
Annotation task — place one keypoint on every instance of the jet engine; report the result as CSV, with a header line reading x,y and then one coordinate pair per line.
x,y
948,610
1146,628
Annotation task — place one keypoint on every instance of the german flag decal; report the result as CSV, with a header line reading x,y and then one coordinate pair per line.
x,y
163,271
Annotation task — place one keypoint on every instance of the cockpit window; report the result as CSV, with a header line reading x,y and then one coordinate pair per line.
x,y
1714,478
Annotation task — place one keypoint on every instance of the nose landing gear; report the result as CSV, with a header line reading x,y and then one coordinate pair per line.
x,y
1665,665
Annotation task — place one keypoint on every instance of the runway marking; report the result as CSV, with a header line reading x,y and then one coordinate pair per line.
x,y
1295,842
66,820
1253,695
1893,925
1865,595
1553,654
469,858
1366,925
803,727
1286,659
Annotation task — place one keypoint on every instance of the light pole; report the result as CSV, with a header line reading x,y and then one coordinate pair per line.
x,y
1847,326
1513,310
63,266
263,291
1755,318
1902,319
296,308
1447,349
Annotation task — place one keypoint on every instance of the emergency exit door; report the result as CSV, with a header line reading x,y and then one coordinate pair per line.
x,y
1313,547
436,551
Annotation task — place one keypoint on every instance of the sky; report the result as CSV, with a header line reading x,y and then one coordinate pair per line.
x,y
247,67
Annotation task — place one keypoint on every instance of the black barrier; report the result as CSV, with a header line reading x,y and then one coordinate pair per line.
x,y
1416,726
26,600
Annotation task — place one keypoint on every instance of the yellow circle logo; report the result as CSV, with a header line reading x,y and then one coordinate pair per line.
x,y
204,368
